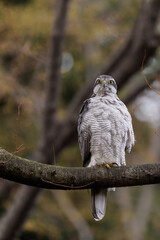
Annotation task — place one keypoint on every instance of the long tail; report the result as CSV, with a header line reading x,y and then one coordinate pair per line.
x,y
98,203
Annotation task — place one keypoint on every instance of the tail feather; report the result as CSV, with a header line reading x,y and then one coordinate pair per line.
x,y
98,203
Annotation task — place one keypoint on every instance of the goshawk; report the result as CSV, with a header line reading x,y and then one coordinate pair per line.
x,y
104,132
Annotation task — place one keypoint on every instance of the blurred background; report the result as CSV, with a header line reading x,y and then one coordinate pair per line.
x,y
96,32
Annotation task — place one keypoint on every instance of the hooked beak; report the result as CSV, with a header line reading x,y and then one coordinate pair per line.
x,y
104,83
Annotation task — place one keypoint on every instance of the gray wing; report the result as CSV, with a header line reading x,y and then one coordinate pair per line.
x,y
130,135
84,135
130,139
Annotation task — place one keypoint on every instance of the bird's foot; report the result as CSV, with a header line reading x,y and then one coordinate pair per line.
x,y
107,165
114,164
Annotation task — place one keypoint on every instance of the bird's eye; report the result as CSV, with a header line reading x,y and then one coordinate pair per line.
x,y
111,82
98,81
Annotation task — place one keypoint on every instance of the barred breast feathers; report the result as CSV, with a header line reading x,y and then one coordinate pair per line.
x,y
109,125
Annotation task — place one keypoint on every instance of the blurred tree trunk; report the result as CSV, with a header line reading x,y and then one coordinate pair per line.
x,y
12,222
138,224
73,215
5,189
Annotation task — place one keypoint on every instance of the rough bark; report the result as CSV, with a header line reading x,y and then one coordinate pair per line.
x,y
54,177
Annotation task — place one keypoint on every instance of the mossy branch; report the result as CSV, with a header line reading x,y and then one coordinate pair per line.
x,y
32,173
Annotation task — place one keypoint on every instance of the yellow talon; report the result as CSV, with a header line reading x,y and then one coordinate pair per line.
x,y
107,165
111,165
100,165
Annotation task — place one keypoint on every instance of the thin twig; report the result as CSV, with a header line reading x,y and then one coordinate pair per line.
x,y
21,147
156,132
54,155
17,124
145,78
67,186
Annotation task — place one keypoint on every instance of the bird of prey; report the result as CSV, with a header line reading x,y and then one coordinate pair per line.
x,y
105,132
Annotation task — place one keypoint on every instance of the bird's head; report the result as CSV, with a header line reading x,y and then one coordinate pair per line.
x,y
105,84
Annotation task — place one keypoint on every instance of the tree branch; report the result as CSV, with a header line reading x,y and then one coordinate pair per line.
x,y
143,37
54,66
127,60
54,177
139,89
